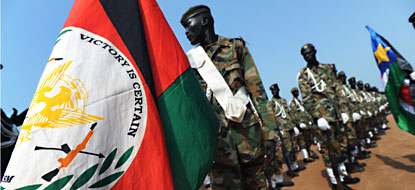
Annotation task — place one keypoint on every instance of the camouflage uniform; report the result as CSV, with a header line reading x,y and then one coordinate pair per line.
x,y
343,106
347,92
239,155
300,115
363,124
368,107
286,125
319,101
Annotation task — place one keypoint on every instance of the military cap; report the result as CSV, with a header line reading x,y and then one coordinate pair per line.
x,y
274,86
351,79
412,18
367,84
294,89
359,82
341,73
193,11
305,46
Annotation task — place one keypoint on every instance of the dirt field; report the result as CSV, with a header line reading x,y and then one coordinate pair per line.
x,y
391,166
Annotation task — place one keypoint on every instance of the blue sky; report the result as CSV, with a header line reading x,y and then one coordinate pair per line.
x,y
274,31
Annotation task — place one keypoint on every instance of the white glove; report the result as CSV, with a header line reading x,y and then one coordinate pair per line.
x,y
412,76
356,117
296,131
381,108
323,124
310,123
345,118
362,112
369,113
376,112
303,126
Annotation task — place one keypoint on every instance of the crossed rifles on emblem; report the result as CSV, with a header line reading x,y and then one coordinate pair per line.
x,y
70,154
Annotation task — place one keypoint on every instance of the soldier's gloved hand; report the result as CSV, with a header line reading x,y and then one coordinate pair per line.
x,y
310,123
381,108
369,113
362,112
296,131
376,112
345,118
356,117
323,124
269,149
412,76
303,126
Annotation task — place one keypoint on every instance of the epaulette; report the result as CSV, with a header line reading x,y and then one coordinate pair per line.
x,y
239,39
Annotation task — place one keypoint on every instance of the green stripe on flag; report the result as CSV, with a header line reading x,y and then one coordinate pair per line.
x,y
404,119
190,130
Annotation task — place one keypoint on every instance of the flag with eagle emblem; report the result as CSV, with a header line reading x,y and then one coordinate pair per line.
x,y
117,107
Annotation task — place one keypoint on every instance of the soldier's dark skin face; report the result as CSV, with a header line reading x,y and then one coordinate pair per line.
x,y
360,86
309,55
275,92
342,79
367,88
295,93
352,83
194,29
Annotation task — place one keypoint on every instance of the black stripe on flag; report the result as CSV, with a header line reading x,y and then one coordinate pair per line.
x,y
126,18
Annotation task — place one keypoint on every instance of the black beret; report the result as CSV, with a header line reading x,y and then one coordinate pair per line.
x,y
193,11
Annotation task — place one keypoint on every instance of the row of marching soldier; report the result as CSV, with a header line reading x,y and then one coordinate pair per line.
x,y
258,136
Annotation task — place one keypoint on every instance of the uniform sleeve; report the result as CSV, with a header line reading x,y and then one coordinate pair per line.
x,y
295,115
256,90
344,102
310,103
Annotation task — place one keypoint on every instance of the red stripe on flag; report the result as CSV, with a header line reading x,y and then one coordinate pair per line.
x,y
150,169
167,63
405,94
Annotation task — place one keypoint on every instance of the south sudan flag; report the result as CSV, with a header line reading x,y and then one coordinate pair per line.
x,y
117,107
394,72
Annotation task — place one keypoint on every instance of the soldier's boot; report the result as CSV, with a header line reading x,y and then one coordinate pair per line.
x,y
346,179
313,155
357,164
333,181
362,155
306,158
278,181
297,167
290,170
352,168
385,127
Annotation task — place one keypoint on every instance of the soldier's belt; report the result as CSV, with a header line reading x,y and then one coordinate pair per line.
x,y
234,106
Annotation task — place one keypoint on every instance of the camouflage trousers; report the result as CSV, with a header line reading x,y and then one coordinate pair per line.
x,y
363,126
239,158
347,136
327,137
305,138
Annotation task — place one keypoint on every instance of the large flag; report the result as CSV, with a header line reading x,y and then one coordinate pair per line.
x,y
117,107
394,72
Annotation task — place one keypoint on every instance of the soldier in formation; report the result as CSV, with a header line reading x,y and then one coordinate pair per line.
x,y
318,84
305,122
258,136
247,124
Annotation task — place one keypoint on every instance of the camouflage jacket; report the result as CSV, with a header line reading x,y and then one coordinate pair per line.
x,y
367,100
282,114
233,60
300,115
317,93
351,96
